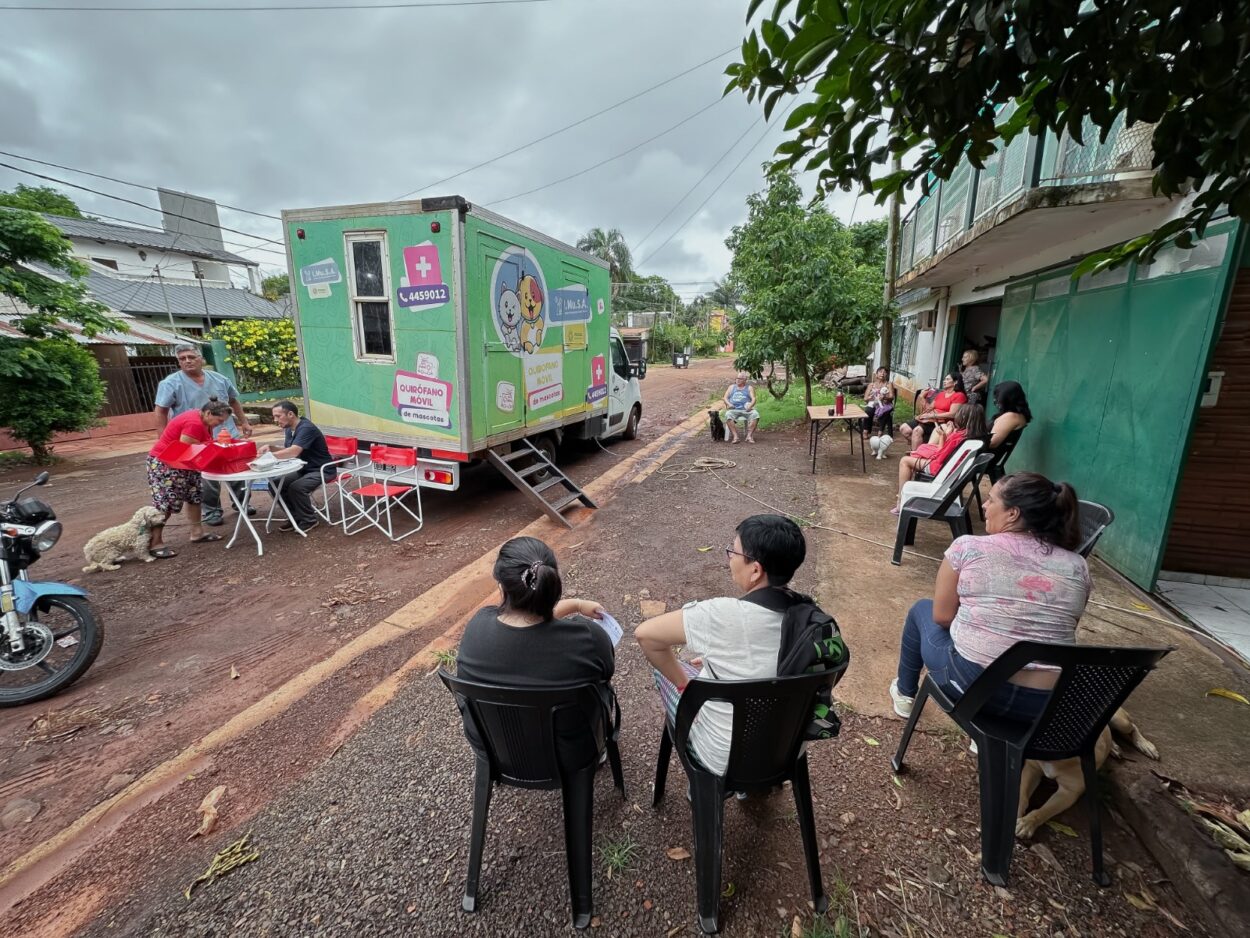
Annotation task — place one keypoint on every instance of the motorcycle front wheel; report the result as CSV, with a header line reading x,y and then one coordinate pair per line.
x,y
62,640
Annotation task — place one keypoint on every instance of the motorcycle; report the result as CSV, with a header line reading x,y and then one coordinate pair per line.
x,y
48,634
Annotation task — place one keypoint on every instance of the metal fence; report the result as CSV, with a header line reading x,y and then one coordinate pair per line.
x,y
131,389
954,206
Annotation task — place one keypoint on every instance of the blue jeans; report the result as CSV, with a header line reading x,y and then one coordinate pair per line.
x,y
928,645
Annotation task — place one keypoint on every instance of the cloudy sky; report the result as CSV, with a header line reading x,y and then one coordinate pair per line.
x,y
274,110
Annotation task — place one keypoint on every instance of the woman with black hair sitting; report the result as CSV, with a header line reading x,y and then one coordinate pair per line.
x,y
533,638
1012,412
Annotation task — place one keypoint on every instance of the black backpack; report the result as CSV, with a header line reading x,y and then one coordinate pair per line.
x,y
810,642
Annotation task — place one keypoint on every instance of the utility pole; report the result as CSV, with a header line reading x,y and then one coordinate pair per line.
x,y
891,266
199,275
172,327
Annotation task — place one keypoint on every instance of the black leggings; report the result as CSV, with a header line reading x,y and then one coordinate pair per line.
x,y
884,420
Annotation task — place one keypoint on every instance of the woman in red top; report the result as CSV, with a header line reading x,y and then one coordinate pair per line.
x,y
944,405
172,487
968,424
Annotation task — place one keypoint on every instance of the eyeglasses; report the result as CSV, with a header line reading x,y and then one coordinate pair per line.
x,y
729,552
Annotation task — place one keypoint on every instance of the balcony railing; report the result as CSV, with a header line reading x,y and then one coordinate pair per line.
x,y
955,205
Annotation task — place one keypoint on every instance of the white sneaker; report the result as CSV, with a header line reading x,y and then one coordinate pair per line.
x,y
902,704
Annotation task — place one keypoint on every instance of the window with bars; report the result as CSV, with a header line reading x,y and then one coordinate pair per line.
x,y
903,346
368,283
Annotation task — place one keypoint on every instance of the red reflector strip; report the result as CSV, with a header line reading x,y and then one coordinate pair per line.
x,y
448,454
438,476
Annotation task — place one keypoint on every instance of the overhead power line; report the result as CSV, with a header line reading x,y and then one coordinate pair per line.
x,y
264,8
582,172
126,182
576,123
118,198
717,187
719,159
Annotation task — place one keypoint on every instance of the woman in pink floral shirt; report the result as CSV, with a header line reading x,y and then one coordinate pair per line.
x,y
1021,581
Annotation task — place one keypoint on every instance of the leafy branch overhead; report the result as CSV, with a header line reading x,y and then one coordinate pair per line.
x,y
897,76
44,302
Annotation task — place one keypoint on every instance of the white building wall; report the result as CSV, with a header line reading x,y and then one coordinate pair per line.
x,y
175,267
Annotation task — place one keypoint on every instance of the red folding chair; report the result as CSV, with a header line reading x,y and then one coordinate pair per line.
x,y
393,470
347,460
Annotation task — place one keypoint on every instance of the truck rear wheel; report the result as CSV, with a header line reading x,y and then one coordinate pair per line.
x,y
631,428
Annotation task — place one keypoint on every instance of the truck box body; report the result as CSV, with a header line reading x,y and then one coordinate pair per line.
x,y
437,324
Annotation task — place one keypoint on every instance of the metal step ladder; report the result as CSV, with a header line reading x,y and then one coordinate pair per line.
x,y
553,491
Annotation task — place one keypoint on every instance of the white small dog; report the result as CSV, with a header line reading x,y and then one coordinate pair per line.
x,y
112,544
879,444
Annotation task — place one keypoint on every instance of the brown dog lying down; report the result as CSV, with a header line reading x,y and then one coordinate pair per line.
x,y
1067,773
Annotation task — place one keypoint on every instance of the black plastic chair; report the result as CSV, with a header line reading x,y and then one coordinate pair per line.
x,y
998,468
769,720
1094,520
945,505
1094,681
517,728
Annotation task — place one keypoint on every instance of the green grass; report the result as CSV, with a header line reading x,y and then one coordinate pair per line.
x,y
792,408
618,855
446,657
17,458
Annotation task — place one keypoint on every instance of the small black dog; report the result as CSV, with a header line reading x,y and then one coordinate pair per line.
x,y
717,426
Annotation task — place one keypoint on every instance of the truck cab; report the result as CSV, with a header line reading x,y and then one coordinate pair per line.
x,y
624,391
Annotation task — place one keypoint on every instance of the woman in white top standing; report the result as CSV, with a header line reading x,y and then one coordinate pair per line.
x,y
1021,581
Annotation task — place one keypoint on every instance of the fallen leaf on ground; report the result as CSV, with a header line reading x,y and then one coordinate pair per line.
x,y
796,928
677,853
1138,902
728,891
1047,856
1061,828
1141,606
870,741
1240,860
703,550
208,812
896,780
226,860
1171,918
674,930
1228,694
234,673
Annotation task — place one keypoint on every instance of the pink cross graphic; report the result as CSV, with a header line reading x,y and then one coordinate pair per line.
x,y
596,369
423,264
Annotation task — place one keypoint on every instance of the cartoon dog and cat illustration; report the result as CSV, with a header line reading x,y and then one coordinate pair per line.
x,y
520,315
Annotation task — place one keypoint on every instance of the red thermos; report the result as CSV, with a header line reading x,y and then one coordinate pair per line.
x,y
839,402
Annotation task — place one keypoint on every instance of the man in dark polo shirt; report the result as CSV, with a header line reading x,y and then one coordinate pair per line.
x,y
301,440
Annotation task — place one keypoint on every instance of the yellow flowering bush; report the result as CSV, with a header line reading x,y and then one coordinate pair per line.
x,y
262,351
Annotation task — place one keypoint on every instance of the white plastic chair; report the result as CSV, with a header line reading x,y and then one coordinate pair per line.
x,y
967,450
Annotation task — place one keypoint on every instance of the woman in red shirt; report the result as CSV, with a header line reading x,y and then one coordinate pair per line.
x,y
968,424
944,405
172,487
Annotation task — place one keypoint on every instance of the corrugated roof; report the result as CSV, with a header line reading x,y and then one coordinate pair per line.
x,y
146,297
144,238
141,332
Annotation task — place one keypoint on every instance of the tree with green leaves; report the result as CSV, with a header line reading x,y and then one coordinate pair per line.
x,y
647,294
609,245
40,199
901,76
48,383
807,293
276,286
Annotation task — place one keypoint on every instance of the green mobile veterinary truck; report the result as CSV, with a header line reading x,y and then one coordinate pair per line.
x,y
439,325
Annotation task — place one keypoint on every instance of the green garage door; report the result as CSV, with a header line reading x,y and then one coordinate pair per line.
x,y
1113,366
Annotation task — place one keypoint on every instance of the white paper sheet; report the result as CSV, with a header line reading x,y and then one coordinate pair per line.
x,y
609,625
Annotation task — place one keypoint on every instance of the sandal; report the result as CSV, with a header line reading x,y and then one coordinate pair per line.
x,y
205,539
163,553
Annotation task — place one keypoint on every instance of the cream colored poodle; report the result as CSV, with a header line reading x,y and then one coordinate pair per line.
x,y
112,544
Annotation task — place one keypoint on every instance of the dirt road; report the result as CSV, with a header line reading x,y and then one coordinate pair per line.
x,y
177,630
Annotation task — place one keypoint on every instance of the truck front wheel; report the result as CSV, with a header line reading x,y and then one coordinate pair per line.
x,y
631,428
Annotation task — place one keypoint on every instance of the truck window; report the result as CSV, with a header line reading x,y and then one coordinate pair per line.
x,y
367,259
620,361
